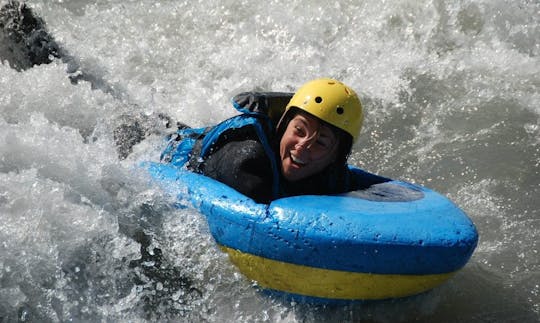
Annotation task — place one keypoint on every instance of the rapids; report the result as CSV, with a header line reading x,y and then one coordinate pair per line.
x,y
452,101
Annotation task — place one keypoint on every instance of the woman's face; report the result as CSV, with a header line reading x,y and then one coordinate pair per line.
x,y
306,147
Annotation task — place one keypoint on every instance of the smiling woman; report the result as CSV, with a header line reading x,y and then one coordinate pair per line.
x,y
306,147
281,145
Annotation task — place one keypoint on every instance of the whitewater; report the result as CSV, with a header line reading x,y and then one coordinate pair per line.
x,y
452,102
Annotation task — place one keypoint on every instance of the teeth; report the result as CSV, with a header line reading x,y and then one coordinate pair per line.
x,y
297,160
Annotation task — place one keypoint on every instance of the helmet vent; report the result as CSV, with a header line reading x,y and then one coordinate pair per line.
x,y
318,99
339,110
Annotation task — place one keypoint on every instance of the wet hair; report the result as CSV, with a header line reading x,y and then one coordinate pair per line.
x,y
345,140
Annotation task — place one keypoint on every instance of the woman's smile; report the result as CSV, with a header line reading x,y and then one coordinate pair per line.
x,y
306,147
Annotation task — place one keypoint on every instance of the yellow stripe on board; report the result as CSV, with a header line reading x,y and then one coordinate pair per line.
x,y
326,283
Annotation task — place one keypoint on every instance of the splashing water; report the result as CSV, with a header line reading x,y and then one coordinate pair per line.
x,y
451,91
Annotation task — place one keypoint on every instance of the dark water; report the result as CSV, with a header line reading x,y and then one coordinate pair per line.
x,y
451,92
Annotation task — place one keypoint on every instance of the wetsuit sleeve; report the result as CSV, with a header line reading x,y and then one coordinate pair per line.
x,y
244,166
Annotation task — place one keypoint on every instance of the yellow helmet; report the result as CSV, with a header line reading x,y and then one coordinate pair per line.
x,y
331,101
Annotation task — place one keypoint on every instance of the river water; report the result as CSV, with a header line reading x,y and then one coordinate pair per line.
x,y
451,93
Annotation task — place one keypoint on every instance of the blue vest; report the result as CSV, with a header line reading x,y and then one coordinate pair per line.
x,y
189,147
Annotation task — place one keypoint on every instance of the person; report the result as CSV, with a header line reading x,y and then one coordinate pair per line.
x,y
282,144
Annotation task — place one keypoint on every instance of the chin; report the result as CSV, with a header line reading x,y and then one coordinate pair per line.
x,y
294,176
289,176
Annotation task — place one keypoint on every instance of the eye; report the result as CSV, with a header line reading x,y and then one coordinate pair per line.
x,y
298,130
324,142
326,139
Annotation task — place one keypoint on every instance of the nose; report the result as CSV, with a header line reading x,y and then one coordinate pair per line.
x,y
305,143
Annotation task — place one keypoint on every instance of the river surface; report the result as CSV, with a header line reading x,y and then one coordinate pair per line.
x,y
452,101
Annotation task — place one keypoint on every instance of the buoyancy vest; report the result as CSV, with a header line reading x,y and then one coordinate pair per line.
x,y
260,113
